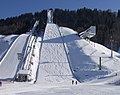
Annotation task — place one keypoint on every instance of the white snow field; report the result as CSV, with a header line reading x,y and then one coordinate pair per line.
x,y
64,56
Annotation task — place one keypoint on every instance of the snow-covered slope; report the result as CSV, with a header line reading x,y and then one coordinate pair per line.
x,y
9,64
54,66
84,57
5,42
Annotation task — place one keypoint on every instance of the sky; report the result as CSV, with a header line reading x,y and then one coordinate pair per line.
x,y
10,8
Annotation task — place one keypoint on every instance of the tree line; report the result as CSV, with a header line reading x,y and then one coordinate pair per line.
x,y
106,22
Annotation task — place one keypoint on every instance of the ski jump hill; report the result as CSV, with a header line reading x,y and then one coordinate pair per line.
x,y
53,59
54,65
60,56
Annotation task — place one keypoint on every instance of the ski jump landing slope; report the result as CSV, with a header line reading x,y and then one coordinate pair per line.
x,y
54,66
9,64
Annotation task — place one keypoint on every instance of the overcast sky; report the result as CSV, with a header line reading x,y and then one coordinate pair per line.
x,y
10,8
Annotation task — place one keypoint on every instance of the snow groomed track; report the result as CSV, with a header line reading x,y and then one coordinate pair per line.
x,y
11,61
54,66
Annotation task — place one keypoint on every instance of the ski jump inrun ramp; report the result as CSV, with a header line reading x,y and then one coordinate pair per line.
x,y
54,65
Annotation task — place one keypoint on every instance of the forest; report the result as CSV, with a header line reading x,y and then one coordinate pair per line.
x,y
107,23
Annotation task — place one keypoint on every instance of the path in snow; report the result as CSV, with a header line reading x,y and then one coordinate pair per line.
x,y
54,66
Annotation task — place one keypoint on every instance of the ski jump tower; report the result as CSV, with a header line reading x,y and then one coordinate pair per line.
x,y
50,16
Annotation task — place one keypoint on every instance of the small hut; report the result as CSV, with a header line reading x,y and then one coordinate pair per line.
x,y
23,75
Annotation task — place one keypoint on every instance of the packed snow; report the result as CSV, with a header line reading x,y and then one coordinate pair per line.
x,y
60,57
